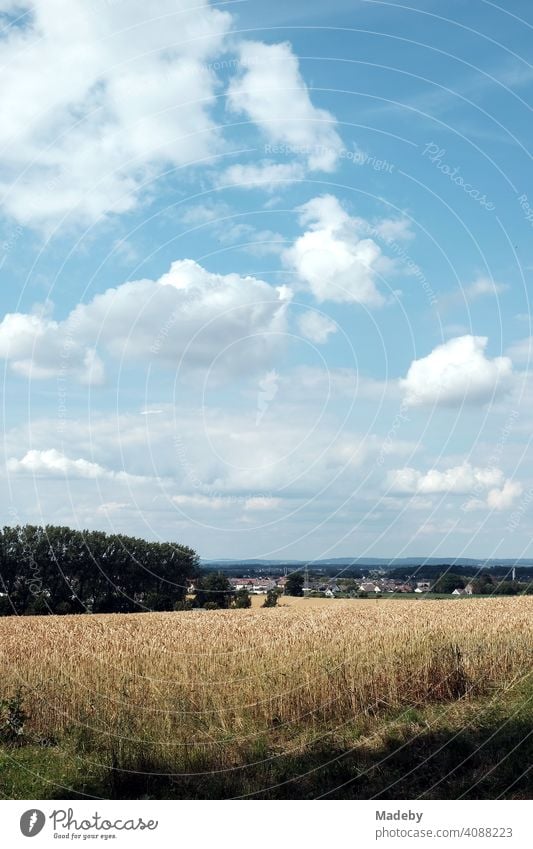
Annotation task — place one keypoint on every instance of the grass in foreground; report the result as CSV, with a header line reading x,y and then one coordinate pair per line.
x,y
478,749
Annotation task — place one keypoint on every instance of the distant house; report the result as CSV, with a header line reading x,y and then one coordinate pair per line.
x,y
241,583
459,591
368,587
469,589
256,586
261,587
404,588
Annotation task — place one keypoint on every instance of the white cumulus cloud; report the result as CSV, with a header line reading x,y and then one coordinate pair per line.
x,y
38,348
92,102
502,499
498,498
188,313
458,479
487,487
53,463
270,91
457,372
333,258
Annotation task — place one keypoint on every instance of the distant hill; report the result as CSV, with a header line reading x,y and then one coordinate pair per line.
x,y
367,562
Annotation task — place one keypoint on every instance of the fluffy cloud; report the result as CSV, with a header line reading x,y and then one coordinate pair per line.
x,y
502,499
210,460
38,348
457,372
316,327
93,110
488,486
459,479
334,258
188,313
270,91
53,463
90,106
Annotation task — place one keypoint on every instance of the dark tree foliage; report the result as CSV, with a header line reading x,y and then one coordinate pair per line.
x,y
272,597
213,591
242,599
294,584
448,582
60,570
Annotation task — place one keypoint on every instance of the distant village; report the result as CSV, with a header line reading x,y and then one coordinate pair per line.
x,y
343,588
433,581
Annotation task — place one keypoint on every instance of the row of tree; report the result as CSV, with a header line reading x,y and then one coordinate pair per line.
x,y
59,570
483,584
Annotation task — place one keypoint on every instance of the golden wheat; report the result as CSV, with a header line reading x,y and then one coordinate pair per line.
x,y
218,679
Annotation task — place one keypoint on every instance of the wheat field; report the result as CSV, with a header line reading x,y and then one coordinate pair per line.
x,y
204,684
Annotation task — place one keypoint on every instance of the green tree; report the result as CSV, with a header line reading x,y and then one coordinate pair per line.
x,y
448,582
75,571
482,585
213,588
272,597
506,588
294,584
242,599
159,601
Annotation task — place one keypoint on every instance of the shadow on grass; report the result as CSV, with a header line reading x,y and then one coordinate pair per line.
x,y
483,763
468,750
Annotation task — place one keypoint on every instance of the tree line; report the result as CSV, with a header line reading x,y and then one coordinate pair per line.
x,y
483,584
60,570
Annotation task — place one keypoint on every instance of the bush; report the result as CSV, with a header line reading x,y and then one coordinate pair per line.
x,y
12,720
271,599
183,604
242,599
211,605
6,608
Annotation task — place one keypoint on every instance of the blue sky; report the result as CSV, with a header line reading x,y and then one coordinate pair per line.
x,y
265,273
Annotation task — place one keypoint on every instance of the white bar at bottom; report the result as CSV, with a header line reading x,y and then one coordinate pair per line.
x,y
264,824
